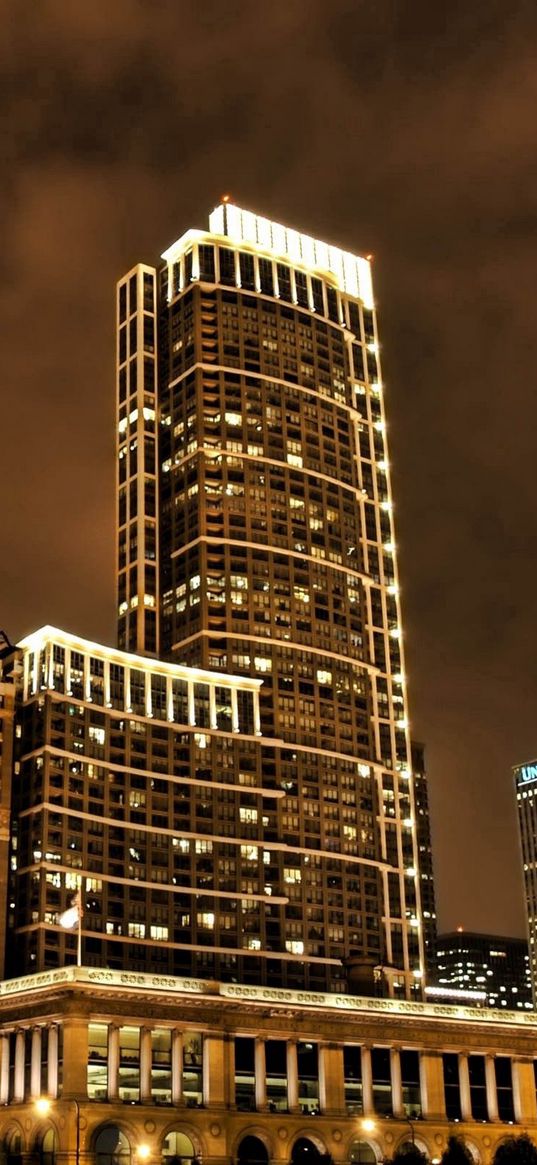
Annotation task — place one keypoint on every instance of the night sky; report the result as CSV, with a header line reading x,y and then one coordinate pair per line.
x,y
405,129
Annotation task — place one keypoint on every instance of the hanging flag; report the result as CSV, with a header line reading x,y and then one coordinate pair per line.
x,y
72,916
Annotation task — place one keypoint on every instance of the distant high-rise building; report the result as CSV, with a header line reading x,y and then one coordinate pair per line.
x,y
526,797
255,536
425,852
491,964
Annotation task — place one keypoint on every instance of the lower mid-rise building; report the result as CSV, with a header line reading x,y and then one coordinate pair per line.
x,y
493,967
104,1067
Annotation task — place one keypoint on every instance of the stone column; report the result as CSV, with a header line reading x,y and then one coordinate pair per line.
x,y
4,1068
524,1098
367,1083
260,1075
396,1082
52,1061
492,1095
214,1074
177,1066
433,1101
145,1065
331,1081
292,1076
75,1057
18,1082
35,1064
113,1062
464,1087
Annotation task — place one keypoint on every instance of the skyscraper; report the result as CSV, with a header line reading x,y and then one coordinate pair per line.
x,y
425,853
255,537
526,797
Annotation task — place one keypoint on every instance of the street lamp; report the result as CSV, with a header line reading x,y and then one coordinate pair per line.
x,y
368,1125
43,1107
143,1152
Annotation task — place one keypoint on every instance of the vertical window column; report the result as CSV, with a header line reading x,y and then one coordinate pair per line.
x,y
234,711
492,1096
35,1064
145,1065
367,1082
397,1084
4,1068
257,715
18,1082
212,707
113,1062
177,1066
260,1074
52,1061
464,1085
169,699
128,704
292,1076
191,702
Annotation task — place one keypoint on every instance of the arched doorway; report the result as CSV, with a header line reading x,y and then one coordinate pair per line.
x,y
48,1148
305,1152
12,1148
177,1149
112,1147
252,1151
362,1153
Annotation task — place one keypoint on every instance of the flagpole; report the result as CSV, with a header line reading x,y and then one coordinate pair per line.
x,y
79,937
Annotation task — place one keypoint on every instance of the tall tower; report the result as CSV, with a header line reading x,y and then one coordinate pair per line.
x,y
255,536
526,795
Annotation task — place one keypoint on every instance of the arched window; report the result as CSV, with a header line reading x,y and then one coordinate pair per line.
x,y
305,1152
362,1153
112,1147
177,1149
48,1148
252,1151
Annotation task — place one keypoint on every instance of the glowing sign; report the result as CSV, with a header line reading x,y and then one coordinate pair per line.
x,y
527,773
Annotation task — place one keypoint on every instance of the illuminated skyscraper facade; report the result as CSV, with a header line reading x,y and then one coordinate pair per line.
x,y
526,797
255,537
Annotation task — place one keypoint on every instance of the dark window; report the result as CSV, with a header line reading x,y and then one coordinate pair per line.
x,y
245,1073
451,1086
478,1087
504,1087
123,303
317,293
227,266
247,271
148,292
352,1068
333,307
382,1081
410,1077
206,259
301,289
265,276
284,281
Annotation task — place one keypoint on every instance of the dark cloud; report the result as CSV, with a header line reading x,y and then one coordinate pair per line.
x,y
406,129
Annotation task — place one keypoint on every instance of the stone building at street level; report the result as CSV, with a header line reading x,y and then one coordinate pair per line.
x,y
152,1068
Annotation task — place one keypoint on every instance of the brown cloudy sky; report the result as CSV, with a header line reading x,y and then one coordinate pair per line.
x,y
403,128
